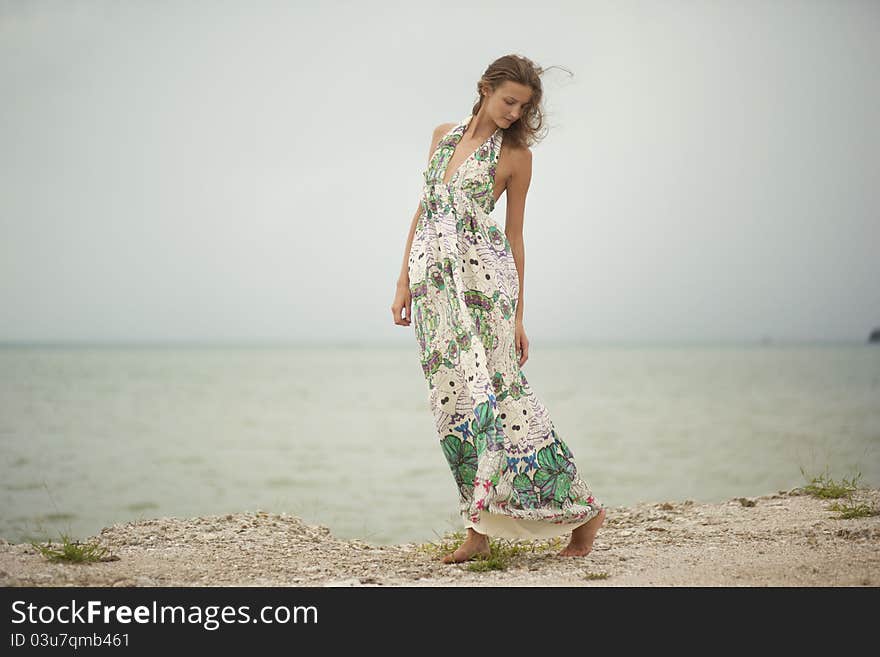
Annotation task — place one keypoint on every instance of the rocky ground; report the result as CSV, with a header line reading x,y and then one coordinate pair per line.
x,y
784,539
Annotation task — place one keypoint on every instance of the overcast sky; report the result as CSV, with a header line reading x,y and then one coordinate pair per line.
x,y
247,171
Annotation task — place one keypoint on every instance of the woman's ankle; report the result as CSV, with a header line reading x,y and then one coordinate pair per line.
x,y
475,535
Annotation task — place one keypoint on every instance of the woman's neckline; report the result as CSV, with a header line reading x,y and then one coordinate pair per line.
x,y
464,125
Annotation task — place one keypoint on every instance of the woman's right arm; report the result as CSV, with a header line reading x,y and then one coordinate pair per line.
x,y
402,297
439,131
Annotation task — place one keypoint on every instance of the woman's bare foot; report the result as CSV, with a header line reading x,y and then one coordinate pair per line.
x,y
474,544
581,542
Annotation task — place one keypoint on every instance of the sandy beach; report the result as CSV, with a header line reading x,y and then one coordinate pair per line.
x,y
786,538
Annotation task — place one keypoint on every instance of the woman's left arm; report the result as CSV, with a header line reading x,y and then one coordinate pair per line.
x,y
517,189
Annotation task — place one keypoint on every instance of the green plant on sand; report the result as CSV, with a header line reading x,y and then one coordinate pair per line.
x,y
854,510
502,551
824,487
74,551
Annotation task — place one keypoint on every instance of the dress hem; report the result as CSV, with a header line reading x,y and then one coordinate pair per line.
x,y
501,526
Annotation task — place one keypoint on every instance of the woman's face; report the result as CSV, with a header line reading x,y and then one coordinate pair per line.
x,y
505,104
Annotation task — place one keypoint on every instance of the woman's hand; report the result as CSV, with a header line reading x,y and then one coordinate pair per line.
x,y
521,342
402,299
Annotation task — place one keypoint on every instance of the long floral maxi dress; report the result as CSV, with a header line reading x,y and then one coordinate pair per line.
x,y
516,477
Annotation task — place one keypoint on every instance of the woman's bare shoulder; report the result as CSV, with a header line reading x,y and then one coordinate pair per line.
x,y
439,131
514,160
443,128
516,151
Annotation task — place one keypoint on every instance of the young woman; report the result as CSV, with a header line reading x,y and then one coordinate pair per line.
x,y
461,285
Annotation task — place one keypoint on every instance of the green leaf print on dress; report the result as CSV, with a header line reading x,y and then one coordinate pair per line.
x,y
554,476
462,458
485,428
507,461
525,490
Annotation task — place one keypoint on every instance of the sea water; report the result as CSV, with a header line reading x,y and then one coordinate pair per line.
x,y
344,437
